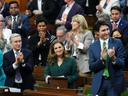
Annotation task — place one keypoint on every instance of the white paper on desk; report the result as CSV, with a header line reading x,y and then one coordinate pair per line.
x,y
14,90
61,76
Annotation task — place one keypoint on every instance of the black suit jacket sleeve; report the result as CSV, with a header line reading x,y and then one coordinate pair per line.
x,y
125,10
49,7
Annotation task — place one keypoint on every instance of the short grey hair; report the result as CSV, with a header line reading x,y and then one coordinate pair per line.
x,y
14,35
3,20
105,17
62,28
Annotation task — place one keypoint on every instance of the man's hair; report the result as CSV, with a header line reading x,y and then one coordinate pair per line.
x,y
62,28
116,8
13,2
105,17
100,23
14,35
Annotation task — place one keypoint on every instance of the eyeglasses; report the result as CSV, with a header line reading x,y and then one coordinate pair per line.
x,y
60,36
1,20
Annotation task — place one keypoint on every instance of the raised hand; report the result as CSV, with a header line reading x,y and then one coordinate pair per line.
x,y
19,21
111,53
103,53
9,22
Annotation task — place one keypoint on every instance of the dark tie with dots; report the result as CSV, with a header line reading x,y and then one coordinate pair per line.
x,y
14,25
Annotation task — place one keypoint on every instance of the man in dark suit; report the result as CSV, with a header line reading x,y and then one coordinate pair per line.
x,y
4,8
106,59
18,65
19,23
45,7
67,12
118,22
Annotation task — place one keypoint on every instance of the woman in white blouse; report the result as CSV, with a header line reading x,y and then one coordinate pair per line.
x,y
4,36
105,6
78,41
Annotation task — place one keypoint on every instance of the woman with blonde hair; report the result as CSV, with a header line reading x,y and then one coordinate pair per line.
x,y
60,64
78,41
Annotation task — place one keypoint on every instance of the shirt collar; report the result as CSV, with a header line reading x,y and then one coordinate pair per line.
x,y
70,6
106,41
15,16
16,51
117,22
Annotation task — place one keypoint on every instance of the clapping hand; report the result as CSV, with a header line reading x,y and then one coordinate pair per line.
x,y
103,53
111,53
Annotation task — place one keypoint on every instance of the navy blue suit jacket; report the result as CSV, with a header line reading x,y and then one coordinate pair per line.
x,y
26,72
122,25
24,30
115,71
5,11
76,9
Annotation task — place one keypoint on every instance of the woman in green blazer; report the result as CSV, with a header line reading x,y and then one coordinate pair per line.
x,y
60,64
2,74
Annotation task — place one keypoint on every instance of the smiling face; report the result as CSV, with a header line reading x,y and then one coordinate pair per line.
x,y
16,43
75,25
104,32
41,26
58,50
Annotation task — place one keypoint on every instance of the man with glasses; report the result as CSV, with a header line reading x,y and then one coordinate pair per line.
x,y
61,34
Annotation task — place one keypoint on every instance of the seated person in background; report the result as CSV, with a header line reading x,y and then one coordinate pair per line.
x,y
67,12
45,7
4,8
39,43
104,16
60,64
4,36
78,41
61,34
106,5
18,23
2,74
118,22
18,65
118,34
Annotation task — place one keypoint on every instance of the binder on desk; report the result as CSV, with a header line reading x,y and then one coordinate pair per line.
x,y
59,82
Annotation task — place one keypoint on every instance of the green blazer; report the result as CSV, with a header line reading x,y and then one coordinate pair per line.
x,y
68,68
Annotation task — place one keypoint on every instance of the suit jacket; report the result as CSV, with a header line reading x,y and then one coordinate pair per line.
x,y
125,9
24,30
67,69
5,11
81,3
2,74
49,9
26,71
115,70
112,3
82,55
76,9
91,9
122,25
